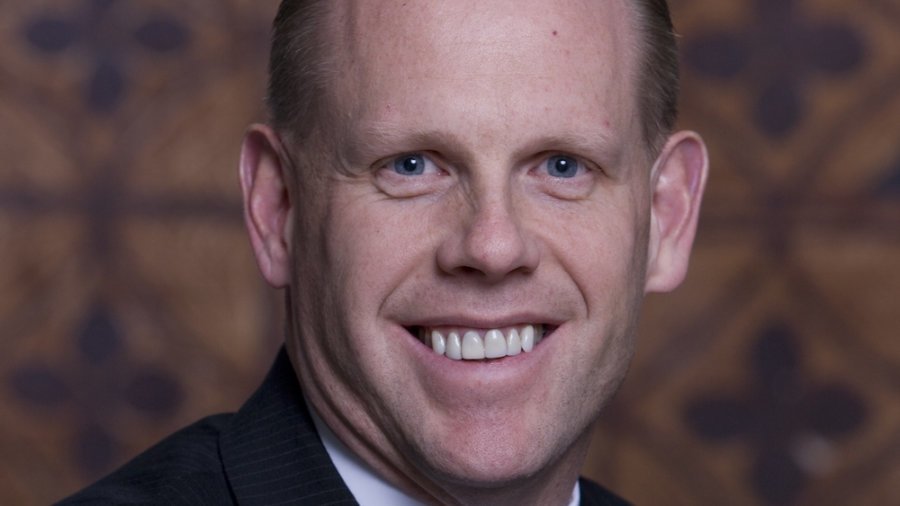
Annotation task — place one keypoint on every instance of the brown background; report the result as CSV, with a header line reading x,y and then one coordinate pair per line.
x,y
130,304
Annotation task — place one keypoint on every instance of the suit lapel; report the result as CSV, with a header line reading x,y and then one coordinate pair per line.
x,y
593,494
271,452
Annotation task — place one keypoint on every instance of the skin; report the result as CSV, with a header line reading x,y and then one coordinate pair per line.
x,y
487,93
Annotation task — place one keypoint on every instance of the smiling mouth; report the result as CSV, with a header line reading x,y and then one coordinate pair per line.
x,y
481,344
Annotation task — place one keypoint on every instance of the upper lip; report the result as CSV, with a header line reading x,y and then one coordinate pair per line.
x,y
472,322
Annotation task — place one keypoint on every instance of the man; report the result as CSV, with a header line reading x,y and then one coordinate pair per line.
x,y
466,202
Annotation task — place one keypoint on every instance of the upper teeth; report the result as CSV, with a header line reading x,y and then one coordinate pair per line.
x,y
471,344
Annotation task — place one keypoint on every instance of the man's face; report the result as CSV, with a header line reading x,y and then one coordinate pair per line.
x,y
483,171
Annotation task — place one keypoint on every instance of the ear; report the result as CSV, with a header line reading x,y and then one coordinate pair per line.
x,y
267,204
677,183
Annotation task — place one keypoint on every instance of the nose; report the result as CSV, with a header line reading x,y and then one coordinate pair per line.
x,y
491,242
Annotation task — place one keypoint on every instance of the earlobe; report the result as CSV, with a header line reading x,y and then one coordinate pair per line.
x,y
267,203
677,185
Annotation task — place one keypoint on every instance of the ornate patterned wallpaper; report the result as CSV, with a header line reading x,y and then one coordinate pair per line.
x,y
130,304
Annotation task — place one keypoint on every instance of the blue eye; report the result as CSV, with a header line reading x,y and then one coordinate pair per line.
x,y
409,165
562,166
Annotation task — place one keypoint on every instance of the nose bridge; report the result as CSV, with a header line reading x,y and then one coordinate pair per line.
x,y
493,221
494,240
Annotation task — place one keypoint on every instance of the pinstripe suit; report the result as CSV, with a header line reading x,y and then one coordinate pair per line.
x,y
268,453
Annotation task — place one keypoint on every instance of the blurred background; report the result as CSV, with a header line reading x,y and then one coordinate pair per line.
x,y
130,304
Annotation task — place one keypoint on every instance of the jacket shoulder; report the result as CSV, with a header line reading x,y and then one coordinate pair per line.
x,y
184,468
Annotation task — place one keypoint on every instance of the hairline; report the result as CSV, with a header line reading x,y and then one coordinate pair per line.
x,y
303,111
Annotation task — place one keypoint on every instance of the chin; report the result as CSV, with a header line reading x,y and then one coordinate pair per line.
x,y
487,459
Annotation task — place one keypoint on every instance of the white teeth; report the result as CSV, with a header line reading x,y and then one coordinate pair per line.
x,y
527,338
472,346
438,343
494,344
513,343
475,345
454,347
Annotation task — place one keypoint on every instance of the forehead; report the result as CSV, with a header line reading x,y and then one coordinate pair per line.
x,y
474,20
485,59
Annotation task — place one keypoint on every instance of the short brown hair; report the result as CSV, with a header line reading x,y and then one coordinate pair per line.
x,y
298,68
658,72
297,65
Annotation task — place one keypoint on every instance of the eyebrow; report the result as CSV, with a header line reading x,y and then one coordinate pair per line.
x,y
597,144
378,136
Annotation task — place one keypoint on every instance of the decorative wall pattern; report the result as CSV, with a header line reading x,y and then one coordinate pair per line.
x,y
130,304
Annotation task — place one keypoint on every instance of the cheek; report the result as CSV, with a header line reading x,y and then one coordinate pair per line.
x,y
375,245
367,243
602,247
372,248
604,254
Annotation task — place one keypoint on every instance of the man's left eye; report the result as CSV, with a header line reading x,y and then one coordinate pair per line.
x,y
563,166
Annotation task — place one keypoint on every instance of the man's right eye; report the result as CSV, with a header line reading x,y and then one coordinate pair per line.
x,y
411,165
411,174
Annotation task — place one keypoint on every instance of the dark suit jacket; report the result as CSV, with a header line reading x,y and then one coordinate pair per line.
x,y
268,453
